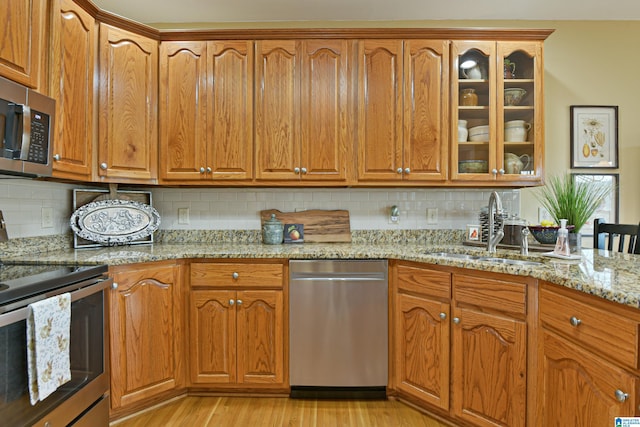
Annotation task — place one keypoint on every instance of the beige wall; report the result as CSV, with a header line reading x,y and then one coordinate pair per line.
x,y
593,63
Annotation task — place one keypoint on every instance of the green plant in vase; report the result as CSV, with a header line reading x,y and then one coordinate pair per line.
x,y
571,199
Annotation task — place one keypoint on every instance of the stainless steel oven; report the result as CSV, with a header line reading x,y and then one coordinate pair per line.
x,y
84,399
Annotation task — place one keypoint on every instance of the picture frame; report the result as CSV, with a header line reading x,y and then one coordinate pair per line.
x,y
594,136
609,209
473,233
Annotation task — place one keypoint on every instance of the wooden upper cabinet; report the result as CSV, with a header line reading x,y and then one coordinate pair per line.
x,y
277,110
426,112
182,111
22,42
402,110
230,110
302,130
128,134
326,135
495,145
74,39
380,110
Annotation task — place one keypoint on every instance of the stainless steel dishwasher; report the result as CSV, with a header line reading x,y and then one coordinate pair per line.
x,y
338,317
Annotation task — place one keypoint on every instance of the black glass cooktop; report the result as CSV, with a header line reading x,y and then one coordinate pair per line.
x,y
24,281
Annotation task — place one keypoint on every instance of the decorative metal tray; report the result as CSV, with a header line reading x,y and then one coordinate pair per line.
x,y
115,222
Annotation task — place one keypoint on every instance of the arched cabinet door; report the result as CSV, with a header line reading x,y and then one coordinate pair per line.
x,y
146,333
128,107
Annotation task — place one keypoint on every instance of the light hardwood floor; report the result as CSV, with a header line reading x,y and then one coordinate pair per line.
x,y
279,411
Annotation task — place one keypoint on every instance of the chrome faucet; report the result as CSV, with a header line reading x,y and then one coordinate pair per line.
x,y
495,208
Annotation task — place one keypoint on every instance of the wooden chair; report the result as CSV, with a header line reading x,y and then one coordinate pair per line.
x,y
608,232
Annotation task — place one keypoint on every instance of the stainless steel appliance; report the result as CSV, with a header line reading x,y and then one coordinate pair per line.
x,y
338,315
26,130
84,399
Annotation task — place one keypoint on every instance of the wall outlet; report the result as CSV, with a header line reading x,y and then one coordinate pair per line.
x,y
47,217
183,216
432,216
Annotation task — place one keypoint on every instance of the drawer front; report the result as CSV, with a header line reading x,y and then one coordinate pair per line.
x,y
491,294
232,274
598,329
424,281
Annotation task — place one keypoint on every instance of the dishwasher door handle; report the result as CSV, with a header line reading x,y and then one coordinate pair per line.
x,y
338,278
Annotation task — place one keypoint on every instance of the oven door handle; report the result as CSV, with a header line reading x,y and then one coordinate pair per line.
x,y
21,313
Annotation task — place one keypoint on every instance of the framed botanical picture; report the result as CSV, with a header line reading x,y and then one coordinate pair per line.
x,y
594,136
609,207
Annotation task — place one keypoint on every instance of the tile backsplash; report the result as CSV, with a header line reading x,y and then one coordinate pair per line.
x,y
369,208
22,202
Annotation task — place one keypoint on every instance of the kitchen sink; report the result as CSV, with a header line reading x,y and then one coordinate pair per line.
x,y
453,255
511,261
496,260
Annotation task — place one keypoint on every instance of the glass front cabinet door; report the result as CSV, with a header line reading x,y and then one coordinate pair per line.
x,y
497,130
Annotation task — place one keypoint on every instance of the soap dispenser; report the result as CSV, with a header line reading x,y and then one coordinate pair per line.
x,y
562,241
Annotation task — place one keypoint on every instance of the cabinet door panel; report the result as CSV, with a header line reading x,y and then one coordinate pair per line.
x,y
489,369
213,337
579,389
21,40
277,110
182,95
425,109
145,328
260,337
325,133
230,139
422,349
73,49
379,109
128,135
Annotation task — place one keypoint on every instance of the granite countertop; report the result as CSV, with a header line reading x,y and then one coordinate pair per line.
x,y
610,275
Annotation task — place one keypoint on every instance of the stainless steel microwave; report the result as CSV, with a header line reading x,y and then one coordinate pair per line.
x,y
26,130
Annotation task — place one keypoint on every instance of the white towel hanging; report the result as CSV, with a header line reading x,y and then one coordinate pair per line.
x,y
48,333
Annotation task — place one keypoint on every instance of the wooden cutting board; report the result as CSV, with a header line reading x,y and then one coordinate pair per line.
x,y
320,226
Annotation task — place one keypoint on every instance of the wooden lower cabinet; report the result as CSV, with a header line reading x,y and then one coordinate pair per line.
x,y
589,359
489,349
421,333
237,337
146,334
460,343
237,334
581,389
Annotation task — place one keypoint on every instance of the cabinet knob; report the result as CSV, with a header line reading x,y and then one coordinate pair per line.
x,y
209,170
574,321
57,157
235,275
202,170
114,285
443,316
103,166
456,320
501,171
399,170
494,171
296,170
407,171
239,302
231,302
621,396
304,170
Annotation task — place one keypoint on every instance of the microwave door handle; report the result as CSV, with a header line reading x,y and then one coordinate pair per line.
x,y
26,132
12,131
